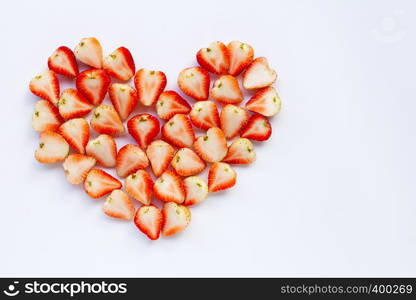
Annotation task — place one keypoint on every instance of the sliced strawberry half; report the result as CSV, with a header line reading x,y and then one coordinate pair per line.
x,y
149,85
124,99
226,90
241,55
233,119
204,115
46,116
99,183
186,162
221,177
241,152
72,104
119,205
169,187
130,158
266,102
89,52
106,120
259,74
120,64
215,58
93,85
143,128
170,104
258,128
194,82
77,133
104,149
139,185
52,148
77,166
178,131
149,220
175,218
62,61
46,86
160,155
196,190
213,146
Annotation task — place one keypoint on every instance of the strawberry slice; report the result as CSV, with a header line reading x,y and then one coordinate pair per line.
x,y
266,102
120,64
130,158
175,218
213,146
93,85
149,85
221,177
46,86
77,133
160,155
103,149
215,58
240,152
258,128
170,104
194,82
73,105
77,166
186,162
226,90
119,205
196,190
178,131
52,148
143,128
62,61
46,116
233,119
259,74
99,183
241,56
204,115
106,120
89,52
148,220
124,99
169,187
139,185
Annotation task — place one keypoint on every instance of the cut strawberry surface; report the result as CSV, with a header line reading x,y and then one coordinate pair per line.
x,y
215,58
130,158
196,190
62,61
139,185
258,128
99,183
259,74
160,155
149,85
124,99
213,146
52,148
119,205
169,187
93,85
194,82
77,133
149,220
204,115
266,102
106,120
120,64
226,90
89,52
241,55
170,104
221,177
77,166
233,119
143,128
72,104
186,162
46,116
240,152
103,149
175,218
178,131
46,86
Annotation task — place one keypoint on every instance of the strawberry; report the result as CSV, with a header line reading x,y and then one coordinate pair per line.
x,y
73,105
241,56
106,120
258,128
124,99
143,128
89,52
175,218
221,177
259,74
170,104
130,158
77,166
149,84
77,133
148,220
178,131
52,148
196,190
226,90
186,162
119,205
233,119
99,183
139,185
46,86
93,85
46,116
120,64
160,155
194,82
169,187
204,115
103,149
213,146
266,102
240,152
215,58
62,61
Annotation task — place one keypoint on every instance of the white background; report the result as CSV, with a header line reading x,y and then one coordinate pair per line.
x,y
331,194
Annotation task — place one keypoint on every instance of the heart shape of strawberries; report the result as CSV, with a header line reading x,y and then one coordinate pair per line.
x,y
163,141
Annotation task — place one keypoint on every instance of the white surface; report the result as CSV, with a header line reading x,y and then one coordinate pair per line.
x,y
331,194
